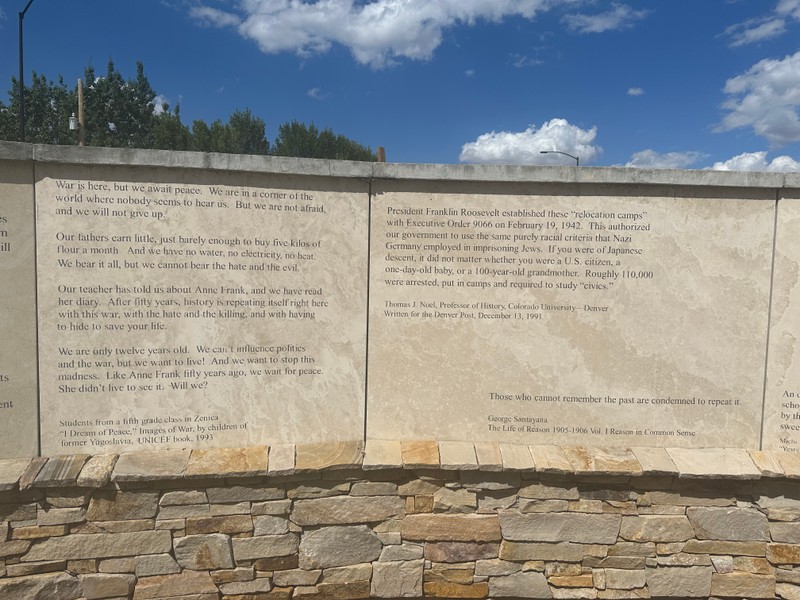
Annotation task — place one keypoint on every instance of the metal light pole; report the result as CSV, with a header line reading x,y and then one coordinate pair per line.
x,y
576,158
22,77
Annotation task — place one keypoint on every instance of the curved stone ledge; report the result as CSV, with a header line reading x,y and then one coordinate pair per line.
x,y
401,519
289,459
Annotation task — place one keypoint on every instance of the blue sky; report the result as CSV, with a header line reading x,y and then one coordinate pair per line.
x,y
650,83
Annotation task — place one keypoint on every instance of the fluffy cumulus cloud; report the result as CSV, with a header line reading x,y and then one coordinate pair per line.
x,y
757,161
377,32
635,91
766,97
650,159
525,147
621,16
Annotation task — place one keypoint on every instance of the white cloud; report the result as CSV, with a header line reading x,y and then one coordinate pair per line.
x,y
206,15
650,159
766,97
377,32
766,27
521,61
317,94
158,104
757,161
525,147
470,72
621,16
635,91
756,30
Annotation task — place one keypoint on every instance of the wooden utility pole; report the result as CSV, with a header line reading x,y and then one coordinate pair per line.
x,y
381,154
81,121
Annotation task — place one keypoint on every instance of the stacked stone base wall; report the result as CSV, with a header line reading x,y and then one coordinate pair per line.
x,y
401,521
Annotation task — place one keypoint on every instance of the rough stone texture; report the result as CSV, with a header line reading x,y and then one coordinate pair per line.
x,y
655,461
238,493
96,473
608,461
563,551
155,564
397,579
680,582
116,505
295,577
102,545
452,528
656,528
338,546
41,587
175,586
107,586
788,533
270,525
520,585
383,454
204,552
11,471
551,459
488,455
265,546
210,463
625,579
281,459
339,455
732,524
347,509
60,471
743,585
555,527
457,552
420,455
151,465
714,463
516,457
457,456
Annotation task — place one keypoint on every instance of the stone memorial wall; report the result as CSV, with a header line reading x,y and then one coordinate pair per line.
x,y
171,300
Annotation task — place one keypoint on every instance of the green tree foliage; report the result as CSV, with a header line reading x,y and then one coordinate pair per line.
x,y
122,113
119,113
48,106
298,139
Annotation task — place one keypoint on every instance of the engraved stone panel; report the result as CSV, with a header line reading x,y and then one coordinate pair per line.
x,y
182,308
546,313
782,406
18,405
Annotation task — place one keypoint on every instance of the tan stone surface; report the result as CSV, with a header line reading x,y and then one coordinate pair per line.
x,y
10,472
256,329
281,459
714,463
97,471
453,528
338,455
457,456
543,368
489,457
61,471
165,586
210,463
605,461
100,545
151,465
550,459
18,410
654,461
782,401
766,463
516,457
383,454
340,510
419,454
